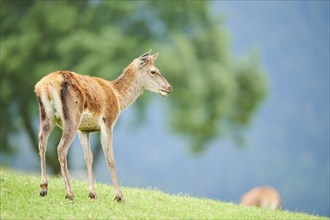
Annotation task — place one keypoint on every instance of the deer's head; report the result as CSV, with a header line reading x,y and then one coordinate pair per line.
x,y
150,75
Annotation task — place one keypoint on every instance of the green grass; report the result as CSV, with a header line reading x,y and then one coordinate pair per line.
x,y
20,200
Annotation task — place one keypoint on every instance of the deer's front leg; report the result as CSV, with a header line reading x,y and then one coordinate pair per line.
x,y
106,139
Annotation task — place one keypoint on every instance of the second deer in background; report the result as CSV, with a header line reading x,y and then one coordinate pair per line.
x,y
263,196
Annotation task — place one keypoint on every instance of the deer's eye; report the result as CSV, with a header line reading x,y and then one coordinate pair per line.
x,y
153,72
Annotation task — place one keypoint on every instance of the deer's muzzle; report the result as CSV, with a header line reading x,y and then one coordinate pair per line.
x,y
165,91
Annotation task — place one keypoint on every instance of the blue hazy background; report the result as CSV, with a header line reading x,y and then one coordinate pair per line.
x,y
287,145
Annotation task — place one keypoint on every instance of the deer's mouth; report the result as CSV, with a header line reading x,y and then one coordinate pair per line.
x,y
164,92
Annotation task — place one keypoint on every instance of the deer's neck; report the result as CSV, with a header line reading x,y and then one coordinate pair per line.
x,y
128,87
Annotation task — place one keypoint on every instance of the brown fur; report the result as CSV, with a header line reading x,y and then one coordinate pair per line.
x,y
124,81
86,93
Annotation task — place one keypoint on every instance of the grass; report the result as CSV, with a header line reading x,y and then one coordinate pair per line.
x,y
20,200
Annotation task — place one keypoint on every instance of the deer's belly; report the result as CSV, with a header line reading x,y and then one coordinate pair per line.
x,y
89,122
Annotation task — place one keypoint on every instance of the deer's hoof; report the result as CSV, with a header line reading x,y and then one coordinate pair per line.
x,y
43,192
92,195
69,197
119,199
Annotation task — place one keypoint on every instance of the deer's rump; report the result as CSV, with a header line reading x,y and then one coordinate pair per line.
x,y
68,95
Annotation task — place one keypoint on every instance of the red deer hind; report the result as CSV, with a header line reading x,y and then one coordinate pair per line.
x,y
263,196
85,104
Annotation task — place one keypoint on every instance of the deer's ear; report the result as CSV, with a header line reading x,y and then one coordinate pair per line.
x,y
143,58
154,57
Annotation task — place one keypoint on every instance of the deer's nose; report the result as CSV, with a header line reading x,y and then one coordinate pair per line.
x,y
170,88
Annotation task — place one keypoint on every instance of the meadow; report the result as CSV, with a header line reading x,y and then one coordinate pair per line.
x,y
20,200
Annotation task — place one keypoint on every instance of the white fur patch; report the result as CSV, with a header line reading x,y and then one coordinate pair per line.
x,y
57,104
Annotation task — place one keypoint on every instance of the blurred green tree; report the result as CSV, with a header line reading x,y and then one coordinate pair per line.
x,y
214,94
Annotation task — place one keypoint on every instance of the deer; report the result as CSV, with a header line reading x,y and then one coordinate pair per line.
x,y
263,196
82,104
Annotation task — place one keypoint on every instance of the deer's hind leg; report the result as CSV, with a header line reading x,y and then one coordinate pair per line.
x,y
70,109
84,141
46,126
68,134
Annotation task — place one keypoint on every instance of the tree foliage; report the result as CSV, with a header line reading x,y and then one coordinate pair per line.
x,y
214,93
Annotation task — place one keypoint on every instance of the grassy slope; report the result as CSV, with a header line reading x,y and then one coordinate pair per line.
x,y
20,200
